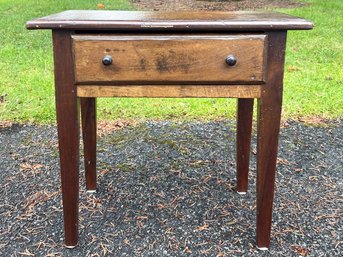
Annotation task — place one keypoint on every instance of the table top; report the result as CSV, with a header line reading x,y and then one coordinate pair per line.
x,y
170,21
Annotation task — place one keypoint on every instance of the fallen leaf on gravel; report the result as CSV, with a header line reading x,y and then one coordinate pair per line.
x,y
104,248
106,127
282,161
231,223
315,121
26,253
300,250
5,124
203,227
313,178
54,254
30,167
199,162
187,250
206,178
38,197
141,218
298,170
219,247
220,254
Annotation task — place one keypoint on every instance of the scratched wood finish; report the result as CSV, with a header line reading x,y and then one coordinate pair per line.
x,y
68,127
188,24
170,91
169,59
243,141
269,113
170,21
88,118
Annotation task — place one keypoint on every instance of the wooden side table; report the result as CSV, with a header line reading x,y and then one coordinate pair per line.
x,y
169,54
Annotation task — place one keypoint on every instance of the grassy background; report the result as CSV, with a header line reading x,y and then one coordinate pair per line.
x,y
313,76
314,62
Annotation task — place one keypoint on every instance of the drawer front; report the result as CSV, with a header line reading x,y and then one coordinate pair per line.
x,y
170,59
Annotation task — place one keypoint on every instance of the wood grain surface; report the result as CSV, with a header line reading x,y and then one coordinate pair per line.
x,y
268,126
171,91
88,118
68,128
198,59
169,54
243,142
169,21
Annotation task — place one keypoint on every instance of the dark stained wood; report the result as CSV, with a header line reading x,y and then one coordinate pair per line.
x,y
197,59
244,126
269,112
169,21
67,111
170,91
88,117
123,29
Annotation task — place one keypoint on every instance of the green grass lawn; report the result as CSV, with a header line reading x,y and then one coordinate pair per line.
x,y
313,78
314,62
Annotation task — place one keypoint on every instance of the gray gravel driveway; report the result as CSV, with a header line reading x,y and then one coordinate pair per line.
x,y
168,189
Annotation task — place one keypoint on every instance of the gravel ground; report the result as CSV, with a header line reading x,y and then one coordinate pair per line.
x,y
168,189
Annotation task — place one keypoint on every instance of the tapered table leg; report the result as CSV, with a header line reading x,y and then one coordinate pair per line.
x,y
88,117
244,127
268,126
67,112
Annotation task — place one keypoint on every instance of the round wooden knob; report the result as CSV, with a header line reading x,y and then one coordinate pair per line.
x,y
231,60
107,60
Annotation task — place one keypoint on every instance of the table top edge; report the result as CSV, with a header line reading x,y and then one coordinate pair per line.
x,y
138,20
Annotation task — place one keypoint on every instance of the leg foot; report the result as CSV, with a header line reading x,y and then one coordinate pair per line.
x,y
70,246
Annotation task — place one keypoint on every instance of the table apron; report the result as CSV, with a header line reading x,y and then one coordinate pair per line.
x,y
172,91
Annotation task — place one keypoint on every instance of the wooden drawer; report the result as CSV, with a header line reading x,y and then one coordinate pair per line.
x,y
169,59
